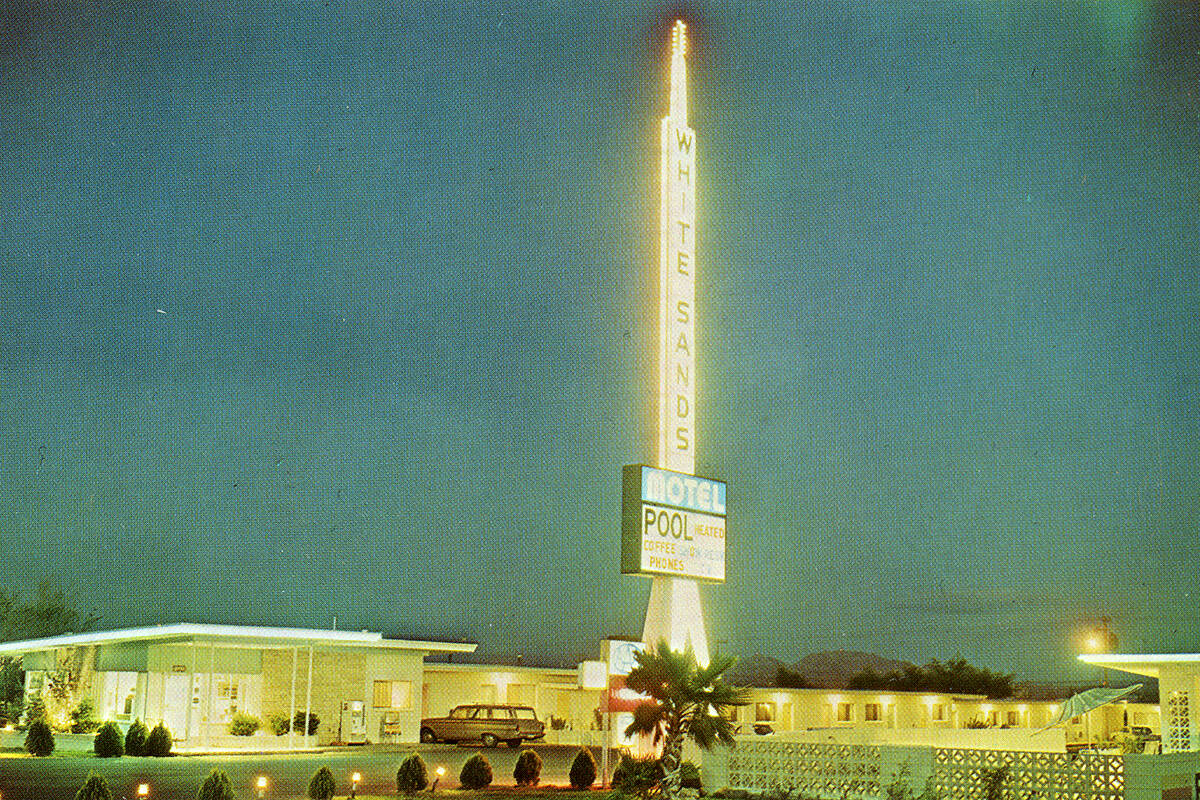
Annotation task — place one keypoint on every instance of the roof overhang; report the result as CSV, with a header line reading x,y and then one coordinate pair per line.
x,y
1148,665
235,636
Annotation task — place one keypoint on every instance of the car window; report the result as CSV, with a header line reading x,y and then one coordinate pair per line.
x,y
459,713
524,713
477,713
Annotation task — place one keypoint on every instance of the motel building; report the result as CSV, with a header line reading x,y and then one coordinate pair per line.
x,y
365,688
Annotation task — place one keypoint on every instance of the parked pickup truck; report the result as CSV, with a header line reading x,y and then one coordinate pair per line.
x,y
488,724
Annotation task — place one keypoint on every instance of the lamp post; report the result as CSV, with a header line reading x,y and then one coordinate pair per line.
x,y
355,779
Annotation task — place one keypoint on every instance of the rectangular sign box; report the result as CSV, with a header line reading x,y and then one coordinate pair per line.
x,y
672,524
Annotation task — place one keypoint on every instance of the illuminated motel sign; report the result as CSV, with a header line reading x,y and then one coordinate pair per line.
x,y
677,274
672,524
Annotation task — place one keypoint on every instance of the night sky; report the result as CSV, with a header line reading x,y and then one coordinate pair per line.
x,y
347,308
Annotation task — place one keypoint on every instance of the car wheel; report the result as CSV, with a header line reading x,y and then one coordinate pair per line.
x,y
514,743
489,740
427,736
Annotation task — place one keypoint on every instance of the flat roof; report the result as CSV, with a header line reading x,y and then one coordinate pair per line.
x,y
1147,664
244,635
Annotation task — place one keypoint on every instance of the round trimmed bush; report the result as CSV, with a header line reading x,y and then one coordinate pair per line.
x,y
94,788
298,723
278,724
637,776
476,773
583,770
109,743
215,787
528,769
39,741
244,724
158,743
135,738
412,777
321,787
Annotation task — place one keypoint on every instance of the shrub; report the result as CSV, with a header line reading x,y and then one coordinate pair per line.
x,y
528,769
135,738
639,777
278,723
689,776
476,773
215,787
83,717
583,770
557,723
321,787
158,743
35,708
412,776
298,723
40,739
109,743
94,788
244,724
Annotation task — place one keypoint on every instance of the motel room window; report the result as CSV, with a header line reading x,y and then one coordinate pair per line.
x,y
939,713
1012,719
845,712
764,712
393,694
871,712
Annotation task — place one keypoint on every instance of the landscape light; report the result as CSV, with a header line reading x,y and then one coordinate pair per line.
x,y
143,790
441,771
261,783
354,779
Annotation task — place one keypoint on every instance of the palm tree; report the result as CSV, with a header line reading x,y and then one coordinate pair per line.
x,y
688,701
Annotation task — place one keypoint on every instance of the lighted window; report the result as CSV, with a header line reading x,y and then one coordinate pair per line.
x,y
845,712
393,694
1012,718
871,712
993,718
939,713
764,712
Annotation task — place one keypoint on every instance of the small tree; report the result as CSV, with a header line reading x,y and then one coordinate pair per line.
x,y
298,723
215,787
135,738
476,773
321,787
995,782
528,769
109,743
244,724
94,788
158,743
583,770
412,777
83,717
39,741
687,701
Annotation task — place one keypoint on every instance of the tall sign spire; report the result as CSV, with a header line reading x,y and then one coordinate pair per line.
x,y
677,268
674,612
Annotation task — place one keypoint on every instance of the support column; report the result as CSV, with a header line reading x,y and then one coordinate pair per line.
x,y
292,702
674,614
212,662
308,697
187,717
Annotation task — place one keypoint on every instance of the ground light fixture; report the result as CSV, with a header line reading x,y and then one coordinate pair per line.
x,y
440,771
261,785
355,779
143,790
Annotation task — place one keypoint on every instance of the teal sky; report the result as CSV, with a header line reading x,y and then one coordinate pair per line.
x,y
347,308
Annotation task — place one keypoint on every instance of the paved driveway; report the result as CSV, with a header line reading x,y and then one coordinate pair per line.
x,y
178,777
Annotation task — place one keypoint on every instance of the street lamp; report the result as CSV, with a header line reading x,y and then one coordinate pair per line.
x,y
1102,640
